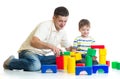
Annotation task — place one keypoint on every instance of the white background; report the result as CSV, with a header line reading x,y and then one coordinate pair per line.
x,y
19,17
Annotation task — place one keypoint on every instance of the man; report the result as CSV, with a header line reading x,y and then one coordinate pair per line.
x,y
44,39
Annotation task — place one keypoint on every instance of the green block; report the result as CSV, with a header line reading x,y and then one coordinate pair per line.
x,y
91,52
118,66
114,65
100,71
67,53
88,60
61,53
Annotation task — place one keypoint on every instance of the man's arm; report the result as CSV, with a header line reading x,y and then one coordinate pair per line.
x,y
37,43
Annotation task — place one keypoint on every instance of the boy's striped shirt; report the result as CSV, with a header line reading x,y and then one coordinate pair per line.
x,y
82,44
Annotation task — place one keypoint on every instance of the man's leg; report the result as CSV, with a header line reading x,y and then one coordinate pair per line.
x,y
27,61
47,60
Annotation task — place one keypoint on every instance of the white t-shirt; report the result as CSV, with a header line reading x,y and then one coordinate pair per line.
x,y
46,32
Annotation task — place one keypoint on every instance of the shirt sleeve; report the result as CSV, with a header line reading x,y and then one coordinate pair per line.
x,y
93,40
41,32
75,43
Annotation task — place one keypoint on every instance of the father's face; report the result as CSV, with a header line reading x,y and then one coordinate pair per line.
x,y
60,22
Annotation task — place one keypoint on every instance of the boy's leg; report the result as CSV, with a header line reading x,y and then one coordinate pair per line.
x,y
95,62
27,61
82,60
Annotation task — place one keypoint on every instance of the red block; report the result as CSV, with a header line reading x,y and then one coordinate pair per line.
x,y
108,63
97,46
80,64
60,62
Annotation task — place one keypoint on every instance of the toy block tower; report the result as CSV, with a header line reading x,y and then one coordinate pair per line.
x,y
102,53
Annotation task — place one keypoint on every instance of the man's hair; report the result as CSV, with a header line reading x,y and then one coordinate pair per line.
x,y
84,22
62,11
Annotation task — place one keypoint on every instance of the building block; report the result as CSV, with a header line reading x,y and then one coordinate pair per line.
x,y
71,65
80,64
45,67
91,52
67,53
100,71
88,60
103,67
72,54
60,62
114,65
83,68
97,46
61,53
66,61
118,66
78,56
103,52
108,63
102,59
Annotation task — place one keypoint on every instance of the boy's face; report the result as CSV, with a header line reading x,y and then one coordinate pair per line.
x,y
84,31
60,22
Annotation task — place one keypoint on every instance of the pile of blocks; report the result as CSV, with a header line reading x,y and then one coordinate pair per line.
x,y
67,62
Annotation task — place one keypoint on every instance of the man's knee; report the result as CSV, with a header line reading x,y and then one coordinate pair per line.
x,y
36,66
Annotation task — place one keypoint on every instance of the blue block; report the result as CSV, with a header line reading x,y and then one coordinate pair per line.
x,y
88,69
103,67
45,67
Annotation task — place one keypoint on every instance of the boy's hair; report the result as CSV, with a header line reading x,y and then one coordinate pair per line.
x,y
84,22
62,11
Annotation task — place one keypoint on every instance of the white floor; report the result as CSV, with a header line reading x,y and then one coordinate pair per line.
x,y
8,74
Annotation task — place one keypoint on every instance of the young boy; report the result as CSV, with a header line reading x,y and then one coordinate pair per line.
x,y
83,42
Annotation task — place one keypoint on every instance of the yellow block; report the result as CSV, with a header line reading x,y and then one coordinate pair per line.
x,y
102,52
102,59
66,62
78,56
72,54
71,65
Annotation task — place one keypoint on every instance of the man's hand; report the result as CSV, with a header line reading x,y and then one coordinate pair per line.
x,y
56,50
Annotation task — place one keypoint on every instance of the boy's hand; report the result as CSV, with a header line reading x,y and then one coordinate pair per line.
x,y
94,57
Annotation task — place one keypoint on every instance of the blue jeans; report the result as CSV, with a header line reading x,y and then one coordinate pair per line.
x,y
29,61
